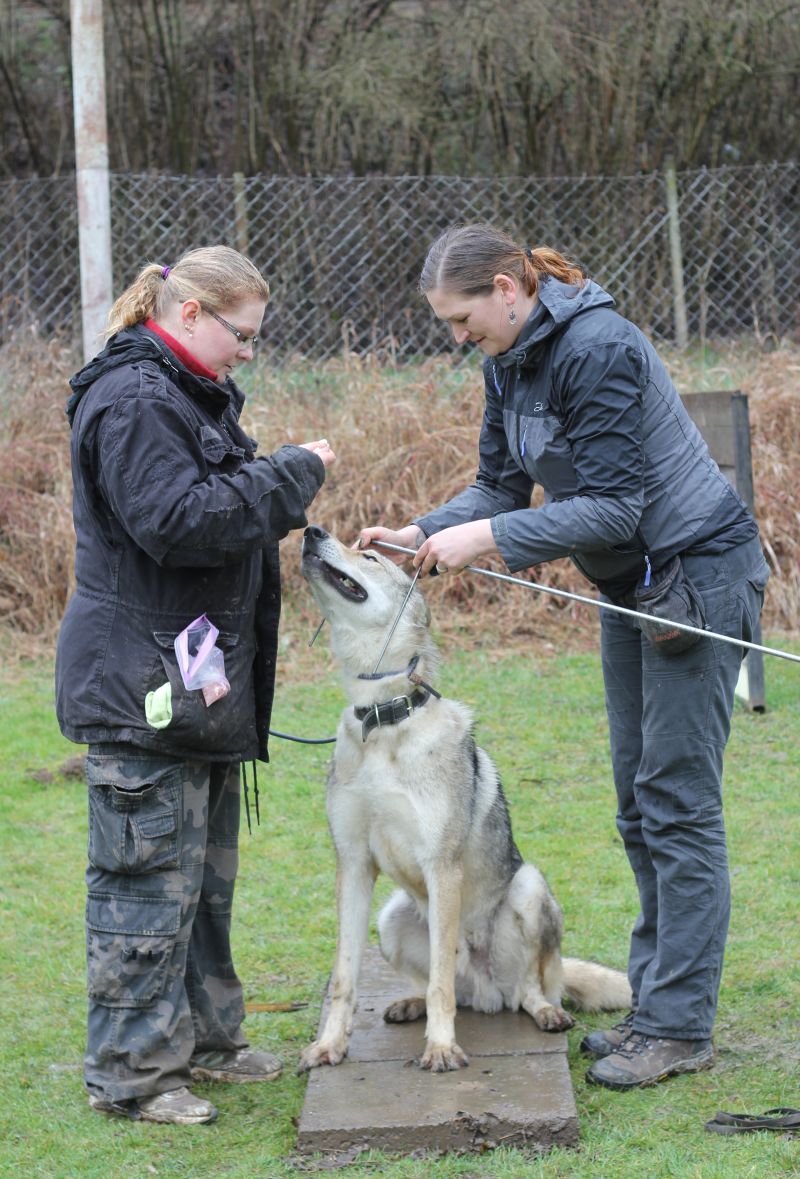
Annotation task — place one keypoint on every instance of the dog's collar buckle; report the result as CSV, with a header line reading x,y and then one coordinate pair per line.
x,y
400,702
390,712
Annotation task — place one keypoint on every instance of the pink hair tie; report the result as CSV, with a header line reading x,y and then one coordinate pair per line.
x,y
165,271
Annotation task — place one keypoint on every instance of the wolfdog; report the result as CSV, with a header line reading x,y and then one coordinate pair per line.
x,y
410,794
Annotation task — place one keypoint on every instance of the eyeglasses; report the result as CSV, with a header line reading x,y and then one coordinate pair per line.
x,y
245,341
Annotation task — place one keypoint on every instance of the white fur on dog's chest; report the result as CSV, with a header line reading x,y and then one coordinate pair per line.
x,y
390,801
389,826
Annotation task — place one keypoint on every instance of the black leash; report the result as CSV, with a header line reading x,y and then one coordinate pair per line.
x,y
247,795
302,740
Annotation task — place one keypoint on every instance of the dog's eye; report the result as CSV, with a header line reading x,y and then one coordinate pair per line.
x,y
369,557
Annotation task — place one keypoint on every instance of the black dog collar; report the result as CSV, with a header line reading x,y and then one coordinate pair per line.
x,y
391,712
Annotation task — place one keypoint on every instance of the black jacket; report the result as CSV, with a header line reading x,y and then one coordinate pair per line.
x,y
583,406
175,517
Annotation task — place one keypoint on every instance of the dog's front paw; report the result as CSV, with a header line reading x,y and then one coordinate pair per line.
x,y
321,1052
405,1010
443,1058
553,1019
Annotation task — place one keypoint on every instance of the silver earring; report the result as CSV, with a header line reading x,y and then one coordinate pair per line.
x,y
512,316
189,330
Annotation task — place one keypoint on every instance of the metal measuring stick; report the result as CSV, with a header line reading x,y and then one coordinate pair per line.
x,y
548,589
315,635
397,619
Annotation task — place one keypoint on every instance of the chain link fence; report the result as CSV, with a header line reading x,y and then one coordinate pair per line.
x,y
343,254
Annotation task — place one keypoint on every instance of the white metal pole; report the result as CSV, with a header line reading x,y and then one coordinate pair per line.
x,y
91,167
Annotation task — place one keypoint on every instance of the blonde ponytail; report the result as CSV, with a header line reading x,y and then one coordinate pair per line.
x,y
138,303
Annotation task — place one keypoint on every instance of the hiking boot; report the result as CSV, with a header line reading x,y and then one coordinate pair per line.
x,y
177,1107
642,1060
237,1066
602,1043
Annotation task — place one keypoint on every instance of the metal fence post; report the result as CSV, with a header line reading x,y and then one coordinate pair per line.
x,y
676,256
240,212
91,163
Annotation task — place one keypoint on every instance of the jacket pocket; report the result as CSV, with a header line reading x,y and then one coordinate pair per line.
x,y
752,599
129,945
219,450
545,455
228,724
135,815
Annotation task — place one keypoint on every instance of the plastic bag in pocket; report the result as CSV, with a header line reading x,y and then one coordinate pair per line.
x,y
200,662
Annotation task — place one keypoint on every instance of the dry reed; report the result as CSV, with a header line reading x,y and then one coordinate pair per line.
x,y
406,441
36,534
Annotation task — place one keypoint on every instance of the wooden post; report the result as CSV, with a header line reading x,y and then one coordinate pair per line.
x,y
751,679
723,418
676,257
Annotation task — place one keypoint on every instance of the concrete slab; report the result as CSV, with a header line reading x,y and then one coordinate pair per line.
x,y
510,1033
516,1092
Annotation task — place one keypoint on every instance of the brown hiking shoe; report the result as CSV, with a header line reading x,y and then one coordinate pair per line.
x,y
642,1060
603,1043
177,1107
236,1066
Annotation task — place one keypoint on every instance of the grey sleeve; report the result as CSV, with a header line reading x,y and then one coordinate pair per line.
x,y
534,535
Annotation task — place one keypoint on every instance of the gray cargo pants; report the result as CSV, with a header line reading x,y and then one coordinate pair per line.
x,y
669,721
163,855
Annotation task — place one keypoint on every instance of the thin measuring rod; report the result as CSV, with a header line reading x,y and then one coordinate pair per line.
x,y
397,619
548,589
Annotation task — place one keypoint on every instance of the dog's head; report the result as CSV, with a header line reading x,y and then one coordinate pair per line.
x,y
360,593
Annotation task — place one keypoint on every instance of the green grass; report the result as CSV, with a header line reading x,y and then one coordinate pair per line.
x,y
543,721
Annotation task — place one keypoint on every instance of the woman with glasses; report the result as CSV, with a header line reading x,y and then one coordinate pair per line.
x,y
177,521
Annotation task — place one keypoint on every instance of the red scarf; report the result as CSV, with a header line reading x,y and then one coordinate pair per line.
x,y
192,363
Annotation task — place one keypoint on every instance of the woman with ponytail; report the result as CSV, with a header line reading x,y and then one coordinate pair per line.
x,y
578,401
165,669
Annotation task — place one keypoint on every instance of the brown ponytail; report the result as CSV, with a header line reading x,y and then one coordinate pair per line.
x,y
217,276
465,259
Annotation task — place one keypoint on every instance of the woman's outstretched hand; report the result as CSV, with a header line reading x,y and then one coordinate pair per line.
x,y
322,450
408,538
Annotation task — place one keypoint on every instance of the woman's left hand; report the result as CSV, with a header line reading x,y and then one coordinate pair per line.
x,y
453,548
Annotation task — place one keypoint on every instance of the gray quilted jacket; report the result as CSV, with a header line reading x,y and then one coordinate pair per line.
x,y
583,406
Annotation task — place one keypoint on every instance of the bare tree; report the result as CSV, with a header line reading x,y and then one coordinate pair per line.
x,y
541,87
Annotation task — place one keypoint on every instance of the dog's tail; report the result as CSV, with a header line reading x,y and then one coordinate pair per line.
x,y
592,987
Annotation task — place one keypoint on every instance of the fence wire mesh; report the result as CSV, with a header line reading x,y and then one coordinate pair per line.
x,y
343,254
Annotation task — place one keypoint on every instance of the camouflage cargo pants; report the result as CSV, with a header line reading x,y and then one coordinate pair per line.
x,y
163,856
